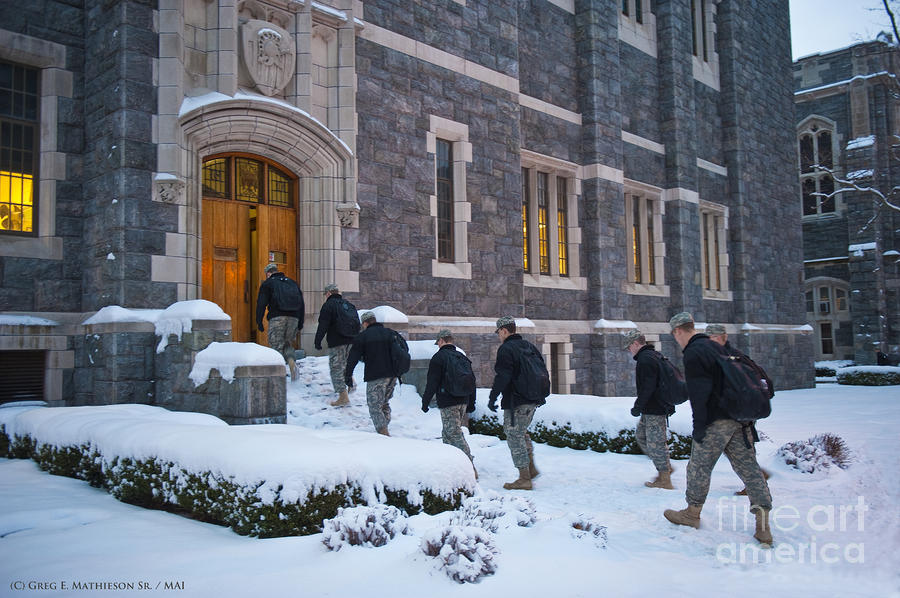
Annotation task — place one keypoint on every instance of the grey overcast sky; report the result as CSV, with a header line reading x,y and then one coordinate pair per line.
x,y
825,25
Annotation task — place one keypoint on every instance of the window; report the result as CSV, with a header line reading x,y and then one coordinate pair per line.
x,y
247,179
637,25
444,161
644,239
828,312
703,42
19,128
713,250
816,149
448,142
550,233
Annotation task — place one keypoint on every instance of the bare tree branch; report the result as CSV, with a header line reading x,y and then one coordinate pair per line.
x,y
890,14
849,185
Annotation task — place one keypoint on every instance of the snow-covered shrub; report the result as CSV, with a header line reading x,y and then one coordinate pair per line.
x,y
586,527
828,369
869,375
363,526
494,511
563,436
465,553
816,454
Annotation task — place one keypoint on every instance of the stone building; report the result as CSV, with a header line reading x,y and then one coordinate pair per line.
x,y
848,110
585,165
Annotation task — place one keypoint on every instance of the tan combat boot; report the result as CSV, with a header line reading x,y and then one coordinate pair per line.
x,y
343,399
523,483
689,516
663,480
293,367
763,532
383,431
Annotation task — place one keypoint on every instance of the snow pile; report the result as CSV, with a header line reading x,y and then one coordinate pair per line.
x,y
861,142
7,320
177,318
363,526
588,528
385,314
225,357
493,511
465,554
115,313
819,453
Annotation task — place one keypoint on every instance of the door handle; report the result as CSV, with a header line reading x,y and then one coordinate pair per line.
x,y
246,291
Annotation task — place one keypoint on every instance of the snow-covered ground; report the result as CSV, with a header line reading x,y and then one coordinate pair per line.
x,y
837,531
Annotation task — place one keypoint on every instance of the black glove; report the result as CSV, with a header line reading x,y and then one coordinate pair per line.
x,y
635,412
260,326
318,346
470,408
492,405
424,407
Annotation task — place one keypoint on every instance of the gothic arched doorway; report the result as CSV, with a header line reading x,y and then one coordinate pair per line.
x,y
249,219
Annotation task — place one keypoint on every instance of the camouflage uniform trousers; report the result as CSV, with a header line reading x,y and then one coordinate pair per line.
x,y
283,330
515,426
378,397
452,418
337,361
651,435
736,441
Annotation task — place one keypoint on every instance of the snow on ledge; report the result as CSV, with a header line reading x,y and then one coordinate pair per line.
x,y
225,357
385,314
861,142
602,323
857,250
25,321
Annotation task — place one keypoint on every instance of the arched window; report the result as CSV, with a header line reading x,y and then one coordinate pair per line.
x,y
816,149
828,311
244,178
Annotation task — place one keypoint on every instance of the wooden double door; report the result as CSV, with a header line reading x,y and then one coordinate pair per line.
x,y
238,240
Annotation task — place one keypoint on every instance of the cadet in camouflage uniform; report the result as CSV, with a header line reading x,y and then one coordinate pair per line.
x,y
338,344
652,429
517,410
718,334
283,324
373,346
714,433
453,409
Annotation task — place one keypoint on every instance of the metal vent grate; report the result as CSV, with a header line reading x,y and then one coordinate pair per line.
x,y
22,375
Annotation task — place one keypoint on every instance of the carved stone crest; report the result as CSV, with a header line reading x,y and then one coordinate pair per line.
x,y
269,55
348,215
170,190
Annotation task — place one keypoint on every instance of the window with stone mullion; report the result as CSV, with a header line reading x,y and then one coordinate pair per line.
x,y
445,201
19,120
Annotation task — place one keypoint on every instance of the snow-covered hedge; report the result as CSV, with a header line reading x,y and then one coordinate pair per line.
x,y
266,481
828,369
869,375
601,424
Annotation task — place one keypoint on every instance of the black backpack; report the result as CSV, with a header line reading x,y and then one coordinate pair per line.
x,y
346,320
672,387
746,393
399,354
459,379
533,380
286,294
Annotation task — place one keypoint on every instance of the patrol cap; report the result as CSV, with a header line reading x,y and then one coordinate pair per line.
x,y
367,315
443,334
331,287
271,267
680,319
715,329
505,321
630,337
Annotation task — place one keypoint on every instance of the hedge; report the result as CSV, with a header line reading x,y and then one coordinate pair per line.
x,y
562,436
213,498
869,375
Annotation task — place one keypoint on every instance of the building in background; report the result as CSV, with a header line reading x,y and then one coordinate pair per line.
x,y
848,119
586,166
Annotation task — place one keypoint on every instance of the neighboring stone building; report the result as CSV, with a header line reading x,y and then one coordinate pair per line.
x,y
848,117
584,165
